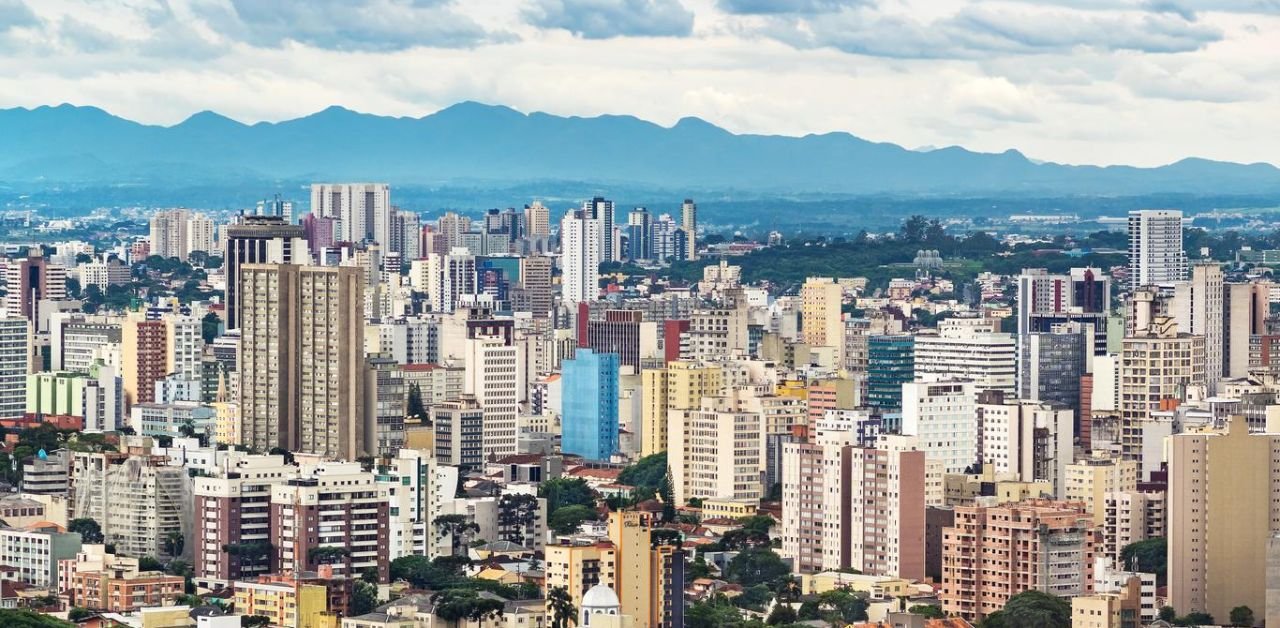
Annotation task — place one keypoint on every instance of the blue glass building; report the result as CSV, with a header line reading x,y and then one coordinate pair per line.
x,y
589,389
890,364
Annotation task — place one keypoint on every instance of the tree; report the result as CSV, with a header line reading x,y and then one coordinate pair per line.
x,y
10,618
370,575
1151,556
647,472
842,606
567,519
456,605
148,563
757,566
1168,613
327,555
415,408
457,529
1036,608
561,492
174,543
560,603
927,610
714,613
364,597
73,287
516,512
210,325
1242,616
88,529
76,613
782,614
1194,619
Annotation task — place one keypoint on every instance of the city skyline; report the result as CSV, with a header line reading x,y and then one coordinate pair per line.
x,y
1095,82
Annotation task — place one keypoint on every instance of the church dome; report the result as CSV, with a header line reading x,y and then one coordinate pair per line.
x,y
600,596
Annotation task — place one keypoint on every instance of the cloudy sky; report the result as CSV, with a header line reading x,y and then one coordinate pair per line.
x,y
1143,82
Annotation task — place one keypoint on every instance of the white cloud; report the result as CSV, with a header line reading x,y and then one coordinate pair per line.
x,y
1079,81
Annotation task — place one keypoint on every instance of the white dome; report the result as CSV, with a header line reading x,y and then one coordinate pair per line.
x,y
600,596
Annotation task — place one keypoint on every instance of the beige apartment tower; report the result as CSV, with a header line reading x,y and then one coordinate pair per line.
x,y
1224,505
302,359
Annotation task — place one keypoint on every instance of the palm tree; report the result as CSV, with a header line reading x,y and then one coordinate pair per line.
x,y
560,603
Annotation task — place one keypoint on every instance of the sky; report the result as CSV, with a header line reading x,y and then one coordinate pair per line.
x,y
1141,82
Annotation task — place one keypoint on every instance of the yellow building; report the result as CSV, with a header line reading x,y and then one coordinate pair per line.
x,y
1222,491
680,386
1090,479
1109,610
876,587
960,489
226,418
166,617
286,605
578,566
729,508
629,531
820,315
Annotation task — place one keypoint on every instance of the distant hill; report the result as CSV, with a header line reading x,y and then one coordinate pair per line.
x,y
472,143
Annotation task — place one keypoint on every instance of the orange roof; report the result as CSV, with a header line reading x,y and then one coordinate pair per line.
x,y
420,367
603,474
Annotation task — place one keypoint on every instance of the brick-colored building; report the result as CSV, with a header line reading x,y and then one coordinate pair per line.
x,y
123,591
334,506
995,552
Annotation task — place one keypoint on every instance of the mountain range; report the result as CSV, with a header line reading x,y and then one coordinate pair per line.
x,y
495,145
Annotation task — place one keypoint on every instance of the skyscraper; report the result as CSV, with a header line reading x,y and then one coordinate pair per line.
x,y
259,240
537,217
639,234
494,375
450,278
363,210
30,280
689,224
821,299
1198,307
581,247
405,234
601,210
590,410
301,365
15,363
890,364
1155,247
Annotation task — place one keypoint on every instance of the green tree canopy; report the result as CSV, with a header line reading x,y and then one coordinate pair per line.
x,y
561,492
565,520
1152,556
88,529
757,566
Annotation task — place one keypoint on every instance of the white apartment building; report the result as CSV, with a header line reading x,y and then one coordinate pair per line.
x,y
942,416
969,349
15,363
34,553
1155,247
363,210
581,242
493,376
1032,440
715,450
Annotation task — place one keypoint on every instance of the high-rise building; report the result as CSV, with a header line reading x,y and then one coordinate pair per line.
x,y
582,253
535,291
639,234
601,210
538,218
201,235
319,234
589,427
1197,306
15,365
715,449
301,363
941,416
259,240
233,514
449,279
29,281
405,234
1245,307
1090,481
276,206
386,396
1223,491
669,240
993,553
1157,365
305,511
363,210
1155,248
626,333
144,357
493,375
890,364
1047,301
169,233
971,349
459,432
1028,439
689,224
1052,364
821,326
679,386
139,500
